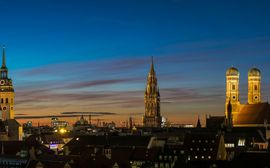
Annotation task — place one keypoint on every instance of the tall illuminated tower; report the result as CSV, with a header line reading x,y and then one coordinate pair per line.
x,y
152,117
254,86
6,92
232,93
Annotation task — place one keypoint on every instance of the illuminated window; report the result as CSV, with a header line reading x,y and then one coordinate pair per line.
x,y
198,149
202,157
204,149
229,145
188,158
213,141
199,141
196,157
193,141
255,87
211,149
206,141
209,157
241,142
191,149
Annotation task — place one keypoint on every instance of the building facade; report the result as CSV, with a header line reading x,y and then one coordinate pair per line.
x,y
152,117
254,86
6,92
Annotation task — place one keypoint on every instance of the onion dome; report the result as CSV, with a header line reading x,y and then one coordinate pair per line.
x,y
232,71
254,72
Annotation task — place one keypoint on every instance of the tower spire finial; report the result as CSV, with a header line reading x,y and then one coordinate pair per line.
x,y
3,57
152,70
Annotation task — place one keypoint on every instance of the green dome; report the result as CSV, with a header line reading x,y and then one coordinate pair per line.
x,y
254,72
232,71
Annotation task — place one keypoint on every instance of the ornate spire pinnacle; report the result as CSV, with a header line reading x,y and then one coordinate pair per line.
x,y
152,70
4,58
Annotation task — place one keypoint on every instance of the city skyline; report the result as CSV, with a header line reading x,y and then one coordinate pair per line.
x,y
94,57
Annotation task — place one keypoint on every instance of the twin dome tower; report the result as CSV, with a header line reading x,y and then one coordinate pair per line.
x,y
232,90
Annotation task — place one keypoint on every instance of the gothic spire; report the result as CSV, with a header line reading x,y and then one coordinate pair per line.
x,y
4,58
229,107
199,122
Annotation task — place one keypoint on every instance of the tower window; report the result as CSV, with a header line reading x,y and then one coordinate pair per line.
x,y
2,100
233,97
233,87
6,100
255,87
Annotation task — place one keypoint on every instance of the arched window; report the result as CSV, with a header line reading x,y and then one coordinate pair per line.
x,y
6,100
255,87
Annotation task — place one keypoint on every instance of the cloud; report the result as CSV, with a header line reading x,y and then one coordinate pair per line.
x,y
90,113
83,84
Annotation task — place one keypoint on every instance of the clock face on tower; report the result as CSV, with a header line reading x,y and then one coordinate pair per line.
x,y
2,82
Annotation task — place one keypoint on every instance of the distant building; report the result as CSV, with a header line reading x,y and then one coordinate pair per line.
x,y
215,122
152,117
57,124
13,128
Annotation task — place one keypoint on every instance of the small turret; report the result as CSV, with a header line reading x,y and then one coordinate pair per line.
x,y
199,123
229,122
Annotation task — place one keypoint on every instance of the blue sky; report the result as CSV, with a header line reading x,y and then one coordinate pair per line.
x,y
95,55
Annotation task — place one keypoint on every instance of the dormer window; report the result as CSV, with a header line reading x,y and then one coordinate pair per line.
x,y
241,142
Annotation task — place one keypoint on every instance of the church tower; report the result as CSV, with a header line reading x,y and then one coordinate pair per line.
x,y
232,93
254,86
6,92
152,117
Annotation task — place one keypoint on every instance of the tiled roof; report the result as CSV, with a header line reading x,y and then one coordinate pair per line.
x,y
252,114
47,138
